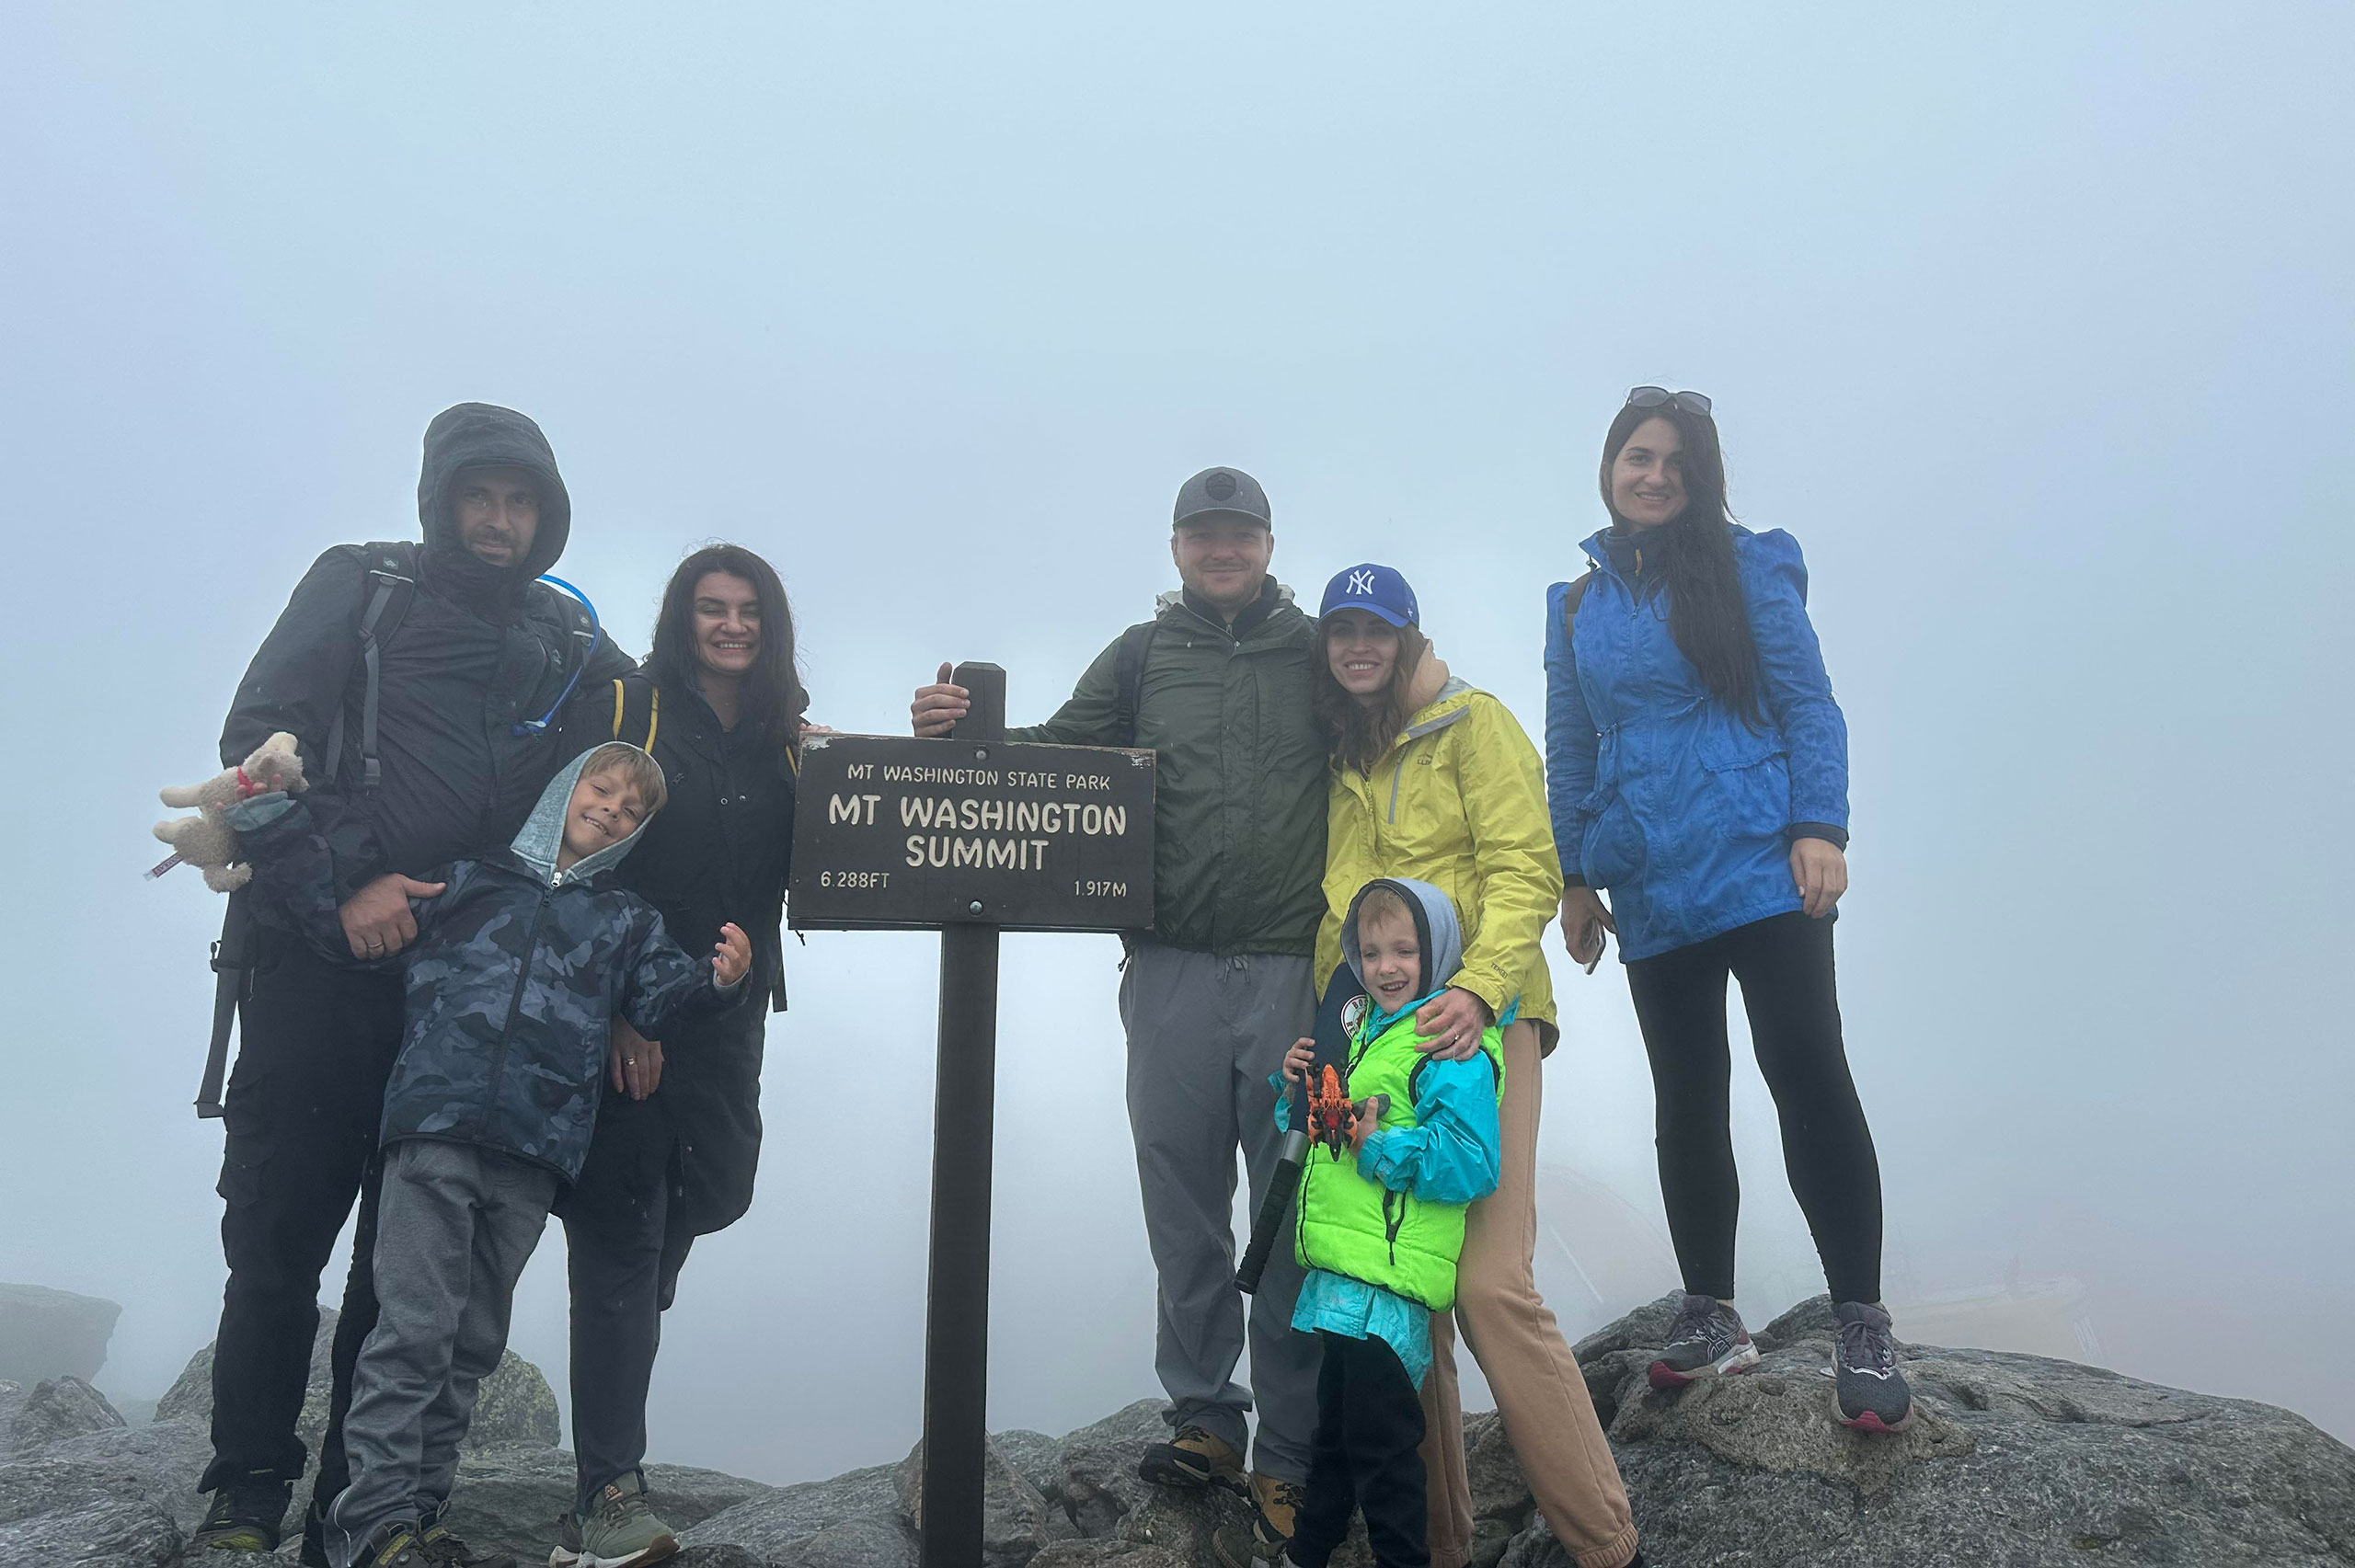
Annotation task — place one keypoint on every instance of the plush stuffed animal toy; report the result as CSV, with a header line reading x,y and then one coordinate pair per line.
x,y
208,843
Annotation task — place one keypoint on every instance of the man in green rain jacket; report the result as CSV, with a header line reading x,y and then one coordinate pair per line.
x,y
1216,684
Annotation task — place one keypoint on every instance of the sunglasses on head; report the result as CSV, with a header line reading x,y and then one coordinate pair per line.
x,y
1653,396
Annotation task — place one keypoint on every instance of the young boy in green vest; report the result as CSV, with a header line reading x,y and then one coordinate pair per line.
x,y
1380,1233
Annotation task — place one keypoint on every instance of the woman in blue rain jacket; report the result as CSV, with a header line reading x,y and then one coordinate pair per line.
x,y
1697,771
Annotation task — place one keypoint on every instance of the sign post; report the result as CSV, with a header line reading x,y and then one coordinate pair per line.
x,y
957,1303
970,836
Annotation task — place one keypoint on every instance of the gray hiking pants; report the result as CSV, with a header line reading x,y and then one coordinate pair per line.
x,y
1205,1033
454,1230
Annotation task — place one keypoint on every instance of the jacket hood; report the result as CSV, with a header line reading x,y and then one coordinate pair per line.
x,y
1436,927
542,835
480,435
1597,547
1436,705
1273,596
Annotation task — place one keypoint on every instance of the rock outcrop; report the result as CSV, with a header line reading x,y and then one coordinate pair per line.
x,y
55,1411
514,1404
2012,1459
48,1334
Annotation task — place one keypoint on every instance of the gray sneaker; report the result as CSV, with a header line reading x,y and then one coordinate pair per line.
x,y
1706,1339
1873,1393
622,1532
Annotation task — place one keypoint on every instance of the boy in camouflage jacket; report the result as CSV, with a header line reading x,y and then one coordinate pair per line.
x,y
523,960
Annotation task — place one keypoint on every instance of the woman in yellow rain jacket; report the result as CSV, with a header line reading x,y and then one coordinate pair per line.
x,y
1433,779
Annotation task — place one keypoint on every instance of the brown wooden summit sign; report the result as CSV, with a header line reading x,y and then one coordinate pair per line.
x,y
972,835
893,833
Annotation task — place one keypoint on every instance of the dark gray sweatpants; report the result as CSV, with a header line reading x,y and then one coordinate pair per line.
x,y
455,1228
1205,1033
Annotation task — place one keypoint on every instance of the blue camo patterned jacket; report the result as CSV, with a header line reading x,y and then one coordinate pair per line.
x,y
513,982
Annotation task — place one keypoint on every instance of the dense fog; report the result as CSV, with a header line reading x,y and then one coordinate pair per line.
x,y
2033,324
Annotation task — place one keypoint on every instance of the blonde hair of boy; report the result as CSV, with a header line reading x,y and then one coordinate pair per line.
x,y
639,771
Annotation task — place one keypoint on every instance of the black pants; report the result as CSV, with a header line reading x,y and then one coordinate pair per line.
x,y
1784,966
625,1242
315,1044
1367,1454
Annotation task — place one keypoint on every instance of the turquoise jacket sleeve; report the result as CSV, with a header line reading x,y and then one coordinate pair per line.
x,y
1453,1152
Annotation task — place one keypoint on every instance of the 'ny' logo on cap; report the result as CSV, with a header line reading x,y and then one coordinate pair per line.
x,y
1362,582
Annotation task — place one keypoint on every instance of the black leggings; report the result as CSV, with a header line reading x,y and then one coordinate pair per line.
x,y
1784,966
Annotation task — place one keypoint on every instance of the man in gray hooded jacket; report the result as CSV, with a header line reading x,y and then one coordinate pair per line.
x,y
414,678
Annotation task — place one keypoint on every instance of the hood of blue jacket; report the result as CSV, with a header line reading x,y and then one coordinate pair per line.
x,y
542,832
1435,923
1597,547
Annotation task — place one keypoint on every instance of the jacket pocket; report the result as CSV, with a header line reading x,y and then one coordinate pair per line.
x,y
1611,852
1749,779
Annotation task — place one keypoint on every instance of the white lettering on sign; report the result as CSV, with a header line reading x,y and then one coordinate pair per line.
x,y
902,774
1012,854
970,815
855,809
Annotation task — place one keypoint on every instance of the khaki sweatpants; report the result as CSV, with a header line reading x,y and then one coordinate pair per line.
x,y
1540,1393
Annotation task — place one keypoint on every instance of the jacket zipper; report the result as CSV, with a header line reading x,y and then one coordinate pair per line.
x,y
514,1010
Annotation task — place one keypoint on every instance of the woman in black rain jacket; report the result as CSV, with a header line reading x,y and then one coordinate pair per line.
x,y
678,1134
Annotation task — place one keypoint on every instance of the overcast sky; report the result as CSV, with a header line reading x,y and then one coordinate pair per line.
x,y
2032,323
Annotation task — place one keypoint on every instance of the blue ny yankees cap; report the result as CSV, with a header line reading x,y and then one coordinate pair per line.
x,y
1378,590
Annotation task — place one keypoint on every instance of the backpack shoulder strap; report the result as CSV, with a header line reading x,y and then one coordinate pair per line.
x,y
389,585
1128,678
638,712
564,611
1572,599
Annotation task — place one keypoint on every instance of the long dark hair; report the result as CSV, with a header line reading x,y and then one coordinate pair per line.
x,y
1707,613
772,695
1360,733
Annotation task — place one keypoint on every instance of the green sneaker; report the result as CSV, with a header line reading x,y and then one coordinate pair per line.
x,y
246,1516
623,1532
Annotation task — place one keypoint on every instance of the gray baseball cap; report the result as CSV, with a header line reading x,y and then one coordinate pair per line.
x,y
1229,491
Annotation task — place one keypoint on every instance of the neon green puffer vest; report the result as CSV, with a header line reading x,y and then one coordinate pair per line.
x,y
1351,1226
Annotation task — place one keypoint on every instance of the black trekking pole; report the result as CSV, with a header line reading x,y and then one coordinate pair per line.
x,y
1331,1033
232,960
1291,1159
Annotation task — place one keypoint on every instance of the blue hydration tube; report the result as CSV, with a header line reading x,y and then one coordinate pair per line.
x,y
538,726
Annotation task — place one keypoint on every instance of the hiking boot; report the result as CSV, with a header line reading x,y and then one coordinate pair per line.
x,y
1193,1460
1873,1393
1274,1505
445,1549
392,1544
1706,1339
246,1516
622,1531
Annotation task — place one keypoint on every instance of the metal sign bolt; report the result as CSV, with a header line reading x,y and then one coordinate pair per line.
x,y
975,906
